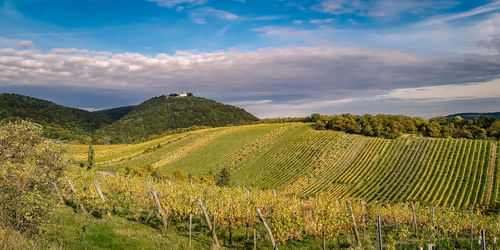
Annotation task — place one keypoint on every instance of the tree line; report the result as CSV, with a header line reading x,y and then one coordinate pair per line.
x,y
393,126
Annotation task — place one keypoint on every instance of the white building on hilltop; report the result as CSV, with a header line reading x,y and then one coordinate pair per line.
x,y
180,94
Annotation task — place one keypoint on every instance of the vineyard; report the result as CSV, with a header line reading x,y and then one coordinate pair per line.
x,y
295,159
250,216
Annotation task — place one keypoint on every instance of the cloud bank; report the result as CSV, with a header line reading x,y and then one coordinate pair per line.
x,y
292,77
480,90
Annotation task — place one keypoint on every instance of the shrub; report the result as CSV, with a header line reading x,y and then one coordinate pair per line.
x,y
29,164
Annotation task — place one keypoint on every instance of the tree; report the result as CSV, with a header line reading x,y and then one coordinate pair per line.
x,y
494,129
319,125
29,165
223,178
91,157
315,117
433,129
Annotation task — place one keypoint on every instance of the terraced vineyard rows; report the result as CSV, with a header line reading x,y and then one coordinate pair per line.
x,y
215,154
294,158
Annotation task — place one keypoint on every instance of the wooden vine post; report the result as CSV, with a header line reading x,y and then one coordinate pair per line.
x,y
323,240
190,228
433,219
76,195
160,209
215,221
483,238
414,219
247,223
498,218
379,229
472,229
204,210
230,233
269,232
254,239
99,192
495,238
363,222
61,199
355,227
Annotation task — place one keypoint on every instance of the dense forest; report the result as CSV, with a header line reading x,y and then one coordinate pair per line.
x,y
58,121
393,126
156,116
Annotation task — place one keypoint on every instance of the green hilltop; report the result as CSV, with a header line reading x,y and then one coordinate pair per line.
x,y
59,122
155,116
163,113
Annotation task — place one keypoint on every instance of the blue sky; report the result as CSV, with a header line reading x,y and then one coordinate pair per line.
x,y
274,57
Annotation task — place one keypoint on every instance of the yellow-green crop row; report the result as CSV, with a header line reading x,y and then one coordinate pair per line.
x,y
294,158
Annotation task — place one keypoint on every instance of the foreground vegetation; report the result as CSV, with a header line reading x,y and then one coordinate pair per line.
x,y
233,212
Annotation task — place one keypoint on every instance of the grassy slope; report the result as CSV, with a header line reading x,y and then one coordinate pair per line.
x,y
69,230
83,231
294,158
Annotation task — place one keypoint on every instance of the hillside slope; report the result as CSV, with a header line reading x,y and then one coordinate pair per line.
x,y
59,121
294,158
160,114
123,124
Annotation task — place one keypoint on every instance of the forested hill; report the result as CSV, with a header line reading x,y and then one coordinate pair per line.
x,y
160,114
472,116
58,121
124,124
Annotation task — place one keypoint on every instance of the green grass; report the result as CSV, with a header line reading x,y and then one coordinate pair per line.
x,y
70,230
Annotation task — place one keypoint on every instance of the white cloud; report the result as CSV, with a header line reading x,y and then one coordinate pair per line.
x,y
444,37
284,81
198,15
321,21
478,90
251,102
381,8
318,77
476,11
23,44
338,6
173,3
294,108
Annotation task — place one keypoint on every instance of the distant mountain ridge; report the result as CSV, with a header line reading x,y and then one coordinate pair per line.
x,y
471,116
123,124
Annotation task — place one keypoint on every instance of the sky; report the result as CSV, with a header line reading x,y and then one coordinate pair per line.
x,y
275,58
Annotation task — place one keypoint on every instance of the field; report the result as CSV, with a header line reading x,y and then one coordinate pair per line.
x,y
293,158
